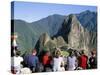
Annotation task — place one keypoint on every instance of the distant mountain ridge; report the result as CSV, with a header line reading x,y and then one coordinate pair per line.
x,y
29,33
88,19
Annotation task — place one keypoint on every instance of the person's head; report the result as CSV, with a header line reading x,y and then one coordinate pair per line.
x,y
76,53
47,53
82,52
14,36
58,53
71,53
34,52
18,53
93,52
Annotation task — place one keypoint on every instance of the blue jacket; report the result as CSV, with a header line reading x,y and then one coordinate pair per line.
x,y
31,60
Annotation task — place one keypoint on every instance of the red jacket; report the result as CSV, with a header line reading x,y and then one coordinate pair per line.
x,y
46,60
83,61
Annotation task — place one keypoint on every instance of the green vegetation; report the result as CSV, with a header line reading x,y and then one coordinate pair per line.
x,y
29,33
64,53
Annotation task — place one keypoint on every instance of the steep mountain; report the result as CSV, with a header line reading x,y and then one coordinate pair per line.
x,y
76,36
29,33
45,42
88,19
43,39
50,24
78,27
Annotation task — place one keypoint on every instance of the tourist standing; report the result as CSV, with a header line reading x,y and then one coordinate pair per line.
x,y
47,60
58,61
93,60
83,59
14,46
16,61
71,61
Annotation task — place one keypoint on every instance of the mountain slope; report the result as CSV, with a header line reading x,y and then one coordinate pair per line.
x,y
88,19
76,36
54,26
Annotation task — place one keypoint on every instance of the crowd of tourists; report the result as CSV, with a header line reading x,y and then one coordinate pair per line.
x,y
51,62
54,63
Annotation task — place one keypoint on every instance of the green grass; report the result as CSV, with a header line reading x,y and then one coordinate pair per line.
x,y
64,53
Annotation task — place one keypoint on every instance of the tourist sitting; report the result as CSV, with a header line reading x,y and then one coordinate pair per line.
x,y
32,61
16,63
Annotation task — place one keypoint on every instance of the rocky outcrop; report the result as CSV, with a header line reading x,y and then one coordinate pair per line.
x,y
60,42
75,35
44,38
78,37
45,42
72,34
